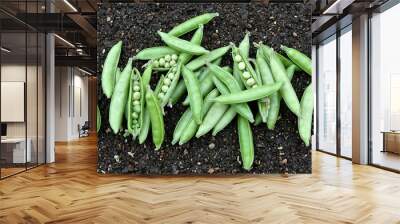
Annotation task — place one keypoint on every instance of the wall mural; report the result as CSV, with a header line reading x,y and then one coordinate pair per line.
x,y
204,88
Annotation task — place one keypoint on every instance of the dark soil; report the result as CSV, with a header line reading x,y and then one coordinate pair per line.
x,y
277,151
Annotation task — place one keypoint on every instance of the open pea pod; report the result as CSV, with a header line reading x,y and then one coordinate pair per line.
x,y
168,84
135,104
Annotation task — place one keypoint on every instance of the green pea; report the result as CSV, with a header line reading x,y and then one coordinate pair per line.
x,y
161,62
250,82
197,37
167,65
191,24
156,118
172,63
134,122
174,57
164,88
226,84
193,89
119,98
226,119
156,64
246,75
136,88
245,142
287,91
137,108
110,68
305,120
170,76
161,95
214,114
136,95
242,65
136,102
98,119
167,58
192,126
135,115
171,83
154,53
204,59
181,45
299,59
249,94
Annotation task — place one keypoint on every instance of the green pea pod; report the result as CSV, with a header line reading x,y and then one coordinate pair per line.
x,y
117,75
258,119
206,83
226,84
299,59
193,89
287,91
212,117
191,24
181,45
154,53
263,104
290,71
237,74
181,125
98,118
246,142
192,126
196,39
249,94
305,120
225,120
135,104
169,83
244,46
207,58
144,130
248,75
119,98
109,69
147,75
266,50
180,90
156,118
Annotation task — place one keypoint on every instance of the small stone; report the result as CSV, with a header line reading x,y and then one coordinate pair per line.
x,y
130,154
185,152
211,171
294,34
108,19
283,162
211,146
280,148
116,157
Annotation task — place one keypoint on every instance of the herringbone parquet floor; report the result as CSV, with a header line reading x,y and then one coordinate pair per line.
x,y
70,191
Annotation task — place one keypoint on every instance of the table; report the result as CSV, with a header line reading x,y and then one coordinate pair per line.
x,y
18,150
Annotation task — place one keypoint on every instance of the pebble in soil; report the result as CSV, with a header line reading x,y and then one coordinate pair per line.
x,y
276,151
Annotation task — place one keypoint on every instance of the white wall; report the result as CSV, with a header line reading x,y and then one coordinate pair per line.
x,y
71,93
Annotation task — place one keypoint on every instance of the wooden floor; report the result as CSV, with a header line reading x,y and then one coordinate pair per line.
x,y
70,191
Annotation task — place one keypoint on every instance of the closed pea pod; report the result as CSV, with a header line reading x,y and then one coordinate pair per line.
x,y
144,130
258,119
225,120
299,59
154,53
263,104
226,84
156,118
181,125
179,91
287,92
305,119
109,69
147,75
119,98
193,89
244,45
246,143
206,58
117,75
249,94
181,45
212,117
192,126
196,39
191,24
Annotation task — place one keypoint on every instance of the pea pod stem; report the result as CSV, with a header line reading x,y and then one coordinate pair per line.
x,y
156,118
193,89
249,94
181,45
305,119
245,142
119,98
192,24
109,69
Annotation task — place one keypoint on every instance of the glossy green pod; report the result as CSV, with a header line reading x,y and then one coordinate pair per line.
x,y
156,118
117,75
154,53
246,143
180,90
109,69
135,104
144,130
206,58
169,83
225,120
181,45
305,119
181,125
146,77
193,89
184,58
212,117
191,24
300,59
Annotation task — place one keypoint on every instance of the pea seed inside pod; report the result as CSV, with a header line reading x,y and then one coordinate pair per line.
x,y
241,65
156,64
172,63
136,88
238,58
136,102
250,82
174,69
164,88
136,108
161,95
174,57
171,75
167,81
136,95
161,62
167,58
167,65
254,86
246,75
135,115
